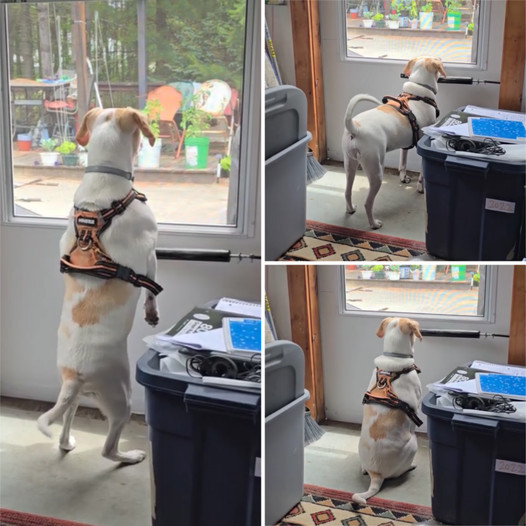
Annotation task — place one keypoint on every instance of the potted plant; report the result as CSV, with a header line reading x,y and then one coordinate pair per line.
x,y
393,22
225,165
49,157
426,15
150,156
379,271
469,28
453,15
367,19
415,272
429,272
366,272
194,122
413,15
67,152
378,20
402,11
393,272
475,279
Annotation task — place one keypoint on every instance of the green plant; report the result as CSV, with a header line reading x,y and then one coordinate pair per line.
x,y
393,16
195,121
377,17
377,268
414,267
452,5
152,110
367,15
48,144
413,11
427,7
365,267
225,163
66,148
476,277
470,27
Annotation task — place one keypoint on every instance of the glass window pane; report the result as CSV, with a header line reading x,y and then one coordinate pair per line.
x,y
181,62
453,290
403,29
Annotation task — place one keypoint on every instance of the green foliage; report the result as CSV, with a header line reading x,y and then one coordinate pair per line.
x,y
195,121
367,15
377,268
66,148
413,11
393,16
48,144
225,163
377,17
453,6
152,110
427,7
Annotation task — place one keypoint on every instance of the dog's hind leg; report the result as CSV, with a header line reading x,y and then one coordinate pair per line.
x,y
67,398
350,164
114,404
373,169
402,167
374,487
420,184
66,440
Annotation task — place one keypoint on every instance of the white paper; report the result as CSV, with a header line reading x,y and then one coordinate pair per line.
x,y
213,340
239,307
498,368
495,114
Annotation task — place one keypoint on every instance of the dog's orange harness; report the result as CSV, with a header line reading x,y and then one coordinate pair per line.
x,y
382,393
401,103
88,255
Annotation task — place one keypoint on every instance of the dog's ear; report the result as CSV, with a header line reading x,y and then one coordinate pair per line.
x,y
408,326
409,67
380,332
142,123
82,136
439,68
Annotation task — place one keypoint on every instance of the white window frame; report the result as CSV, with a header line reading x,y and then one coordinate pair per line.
x,y
488,316
482,44
250,151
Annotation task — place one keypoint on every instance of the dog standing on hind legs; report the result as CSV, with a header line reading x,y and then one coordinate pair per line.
x,y
388,443
368,136
107,253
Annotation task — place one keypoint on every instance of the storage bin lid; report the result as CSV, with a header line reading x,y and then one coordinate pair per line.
x,y
285,118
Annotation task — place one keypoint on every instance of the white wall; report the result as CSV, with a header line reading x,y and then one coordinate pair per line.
x,y
349,343
343,79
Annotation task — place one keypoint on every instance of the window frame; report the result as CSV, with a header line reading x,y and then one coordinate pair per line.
x,y
482,44
488,315
249,156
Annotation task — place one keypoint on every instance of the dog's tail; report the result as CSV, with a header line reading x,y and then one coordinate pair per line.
x,y
349,126
69,392
374,487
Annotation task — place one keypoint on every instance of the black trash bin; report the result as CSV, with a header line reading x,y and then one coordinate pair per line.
x,y
475,208
205,450
477,466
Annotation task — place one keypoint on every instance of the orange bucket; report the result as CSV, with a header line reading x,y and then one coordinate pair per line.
x,y
23,142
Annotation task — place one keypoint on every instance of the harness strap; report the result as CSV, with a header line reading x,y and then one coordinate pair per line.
x,y
382,393
109,170
88,255
401,103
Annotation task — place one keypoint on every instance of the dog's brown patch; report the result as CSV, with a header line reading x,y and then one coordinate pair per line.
x,y
391,110
97,302
408,326
434,65
82,136
68,374
380,332
64,330
385,422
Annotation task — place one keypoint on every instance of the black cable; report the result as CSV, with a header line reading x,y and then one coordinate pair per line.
x,y
487,146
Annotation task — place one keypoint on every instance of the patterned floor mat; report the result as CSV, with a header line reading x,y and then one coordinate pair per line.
x,y
323,242
322,506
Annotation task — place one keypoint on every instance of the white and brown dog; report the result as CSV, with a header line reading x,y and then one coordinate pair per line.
x,y
387,441
101,287
397,124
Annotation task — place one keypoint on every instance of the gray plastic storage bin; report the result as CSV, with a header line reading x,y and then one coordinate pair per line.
x,y
286,139
477,466
284,428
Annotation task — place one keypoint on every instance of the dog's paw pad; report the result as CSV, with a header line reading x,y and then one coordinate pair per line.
x,y
67,445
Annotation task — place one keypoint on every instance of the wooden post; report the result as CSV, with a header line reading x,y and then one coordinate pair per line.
x,y
141,52
305,326
79,47
517,344
513,56
307,64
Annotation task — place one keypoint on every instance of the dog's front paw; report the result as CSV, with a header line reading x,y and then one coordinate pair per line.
x,y
152,317
67,444
351,209
404,178
127,457
376,224
420,187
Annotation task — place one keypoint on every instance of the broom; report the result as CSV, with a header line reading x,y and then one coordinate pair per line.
x,y
313,431
315,170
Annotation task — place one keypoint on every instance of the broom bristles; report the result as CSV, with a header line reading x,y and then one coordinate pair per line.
x,y
313,431
315,170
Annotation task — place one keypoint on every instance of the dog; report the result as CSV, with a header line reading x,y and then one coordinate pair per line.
x,y
368,136
97,313
387,443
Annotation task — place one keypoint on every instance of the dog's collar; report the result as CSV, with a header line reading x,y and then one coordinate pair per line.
x,y
109,170
427,86
396,354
